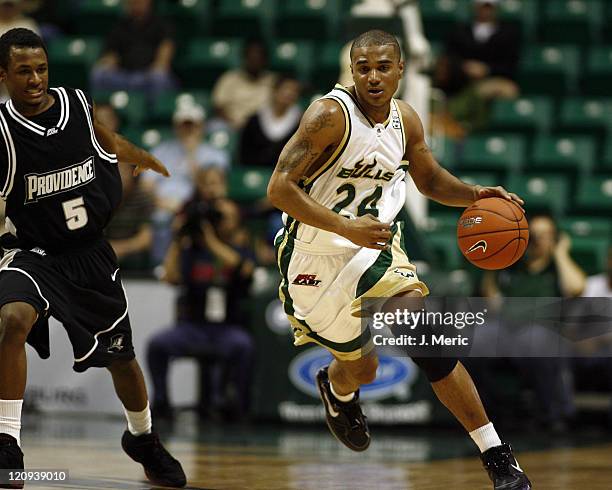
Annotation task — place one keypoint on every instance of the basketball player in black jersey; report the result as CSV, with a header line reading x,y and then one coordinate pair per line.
x,y
60,180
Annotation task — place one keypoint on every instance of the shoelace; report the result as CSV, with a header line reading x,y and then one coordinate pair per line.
x,y
500,462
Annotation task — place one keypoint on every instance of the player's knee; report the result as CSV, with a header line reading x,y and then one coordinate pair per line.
x,y
366,370
436,368
15,324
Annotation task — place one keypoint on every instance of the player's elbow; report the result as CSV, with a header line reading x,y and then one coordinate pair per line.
x,y
275,192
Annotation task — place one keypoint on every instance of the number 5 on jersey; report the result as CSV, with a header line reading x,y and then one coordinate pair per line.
x,y
76,213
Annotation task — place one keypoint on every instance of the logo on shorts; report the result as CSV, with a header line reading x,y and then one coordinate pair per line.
x,y
479,244
307,280
404,273
39,251
116,343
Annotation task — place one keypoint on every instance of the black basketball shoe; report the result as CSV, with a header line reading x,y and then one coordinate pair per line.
x,y
11,458
344,419
159,466
503,469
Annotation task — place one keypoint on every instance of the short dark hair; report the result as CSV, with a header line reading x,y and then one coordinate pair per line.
x,y
20,38
376,37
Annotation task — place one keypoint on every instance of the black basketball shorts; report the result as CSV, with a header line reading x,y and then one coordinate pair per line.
x,y
82,290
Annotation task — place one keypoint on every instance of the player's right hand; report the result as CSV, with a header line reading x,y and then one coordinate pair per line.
x,y
367,231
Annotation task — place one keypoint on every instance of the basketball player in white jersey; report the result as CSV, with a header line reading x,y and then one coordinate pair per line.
x,y
340,183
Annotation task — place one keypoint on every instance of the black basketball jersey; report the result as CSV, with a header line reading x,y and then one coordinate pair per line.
x,y
60,186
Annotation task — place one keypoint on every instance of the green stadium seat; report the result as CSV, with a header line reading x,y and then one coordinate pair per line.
x,y
148,138
595,195
523,14
587,227
445,250
97,17
549,69
590,116
473,178
328,66
441,16
526,115
608,21
590,253
305,19
500,154
294,57
572,21
130,106
598,74
166,103
445,152
224,140
247,18
71,59
248,184
190,18
606,164
204,60
571,155
541,192
441,222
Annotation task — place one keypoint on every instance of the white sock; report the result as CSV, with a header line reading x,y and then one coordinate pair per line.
x,y
139,422
342,398
485,437
10,418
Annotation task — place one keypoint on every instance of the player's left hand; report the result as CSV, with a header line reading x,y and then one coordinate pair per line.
x,y
481,192
151,163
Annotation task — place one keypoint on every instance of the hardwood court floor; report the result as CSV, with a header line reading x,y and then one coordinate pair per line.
x,y
270,459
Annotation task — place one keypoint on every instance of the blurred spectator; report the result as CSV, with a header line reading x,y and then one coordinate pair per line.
x,y
130,232
600,285
138,53
592,368
211,262
106,115
479,64
183,156
267,131
52,20
239,93
12,16
546,270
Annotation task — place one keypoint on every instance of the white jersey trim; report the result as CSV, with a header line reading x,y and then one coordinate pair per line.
x,y
112,327
109,157
32,126
11,157
15,269
65,108
62,98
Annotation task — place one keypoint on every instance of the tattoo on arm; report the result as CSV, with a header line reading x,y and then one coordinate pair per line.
x,y
295,156
424,149
319,122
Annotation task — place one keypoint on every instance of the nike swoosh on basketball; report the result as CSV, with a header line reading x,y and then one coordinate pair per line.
x,y
114,275
479,244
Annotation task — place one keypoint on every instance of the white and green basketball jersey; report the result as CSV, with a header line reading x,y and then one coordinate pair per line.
x,y
365,175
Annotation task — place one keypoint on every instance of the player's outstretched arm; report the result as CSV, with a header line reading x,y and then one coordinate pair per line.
x,y
433,180
126,152
320,132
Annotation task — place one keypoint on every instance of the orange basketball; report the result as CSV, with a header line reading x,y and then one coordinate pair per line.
x,y
493,233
